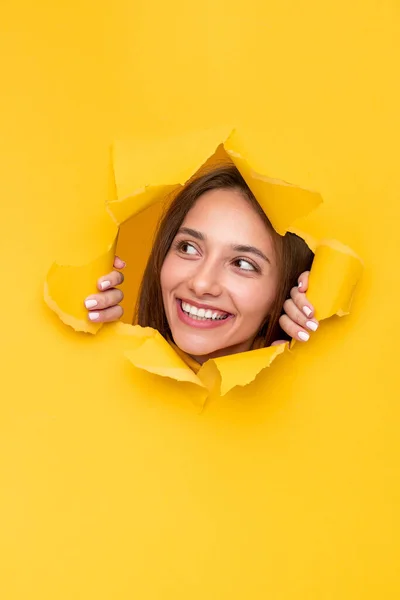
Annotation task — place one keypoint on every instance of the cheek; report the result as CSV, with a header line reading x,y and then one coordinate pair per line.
x,y
170,273
165,275
256,297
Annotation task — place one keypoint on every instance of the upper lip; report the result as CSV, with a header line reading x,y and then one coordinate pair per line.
x,y
205,306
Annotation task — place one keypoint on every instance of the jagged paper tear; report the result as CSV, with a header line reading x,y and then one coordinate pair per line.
x,y
147,172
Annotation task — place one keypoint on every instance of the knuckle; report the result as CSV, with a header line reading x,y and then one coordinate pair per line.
x,y
302,320
288,302
106,300
300,300
116,278
118,296
112,298
287,305
113,313
285,324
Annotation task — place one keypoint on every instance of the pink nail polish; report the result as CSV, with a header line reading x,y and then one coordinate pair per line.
x,y
303,336
90,303
312,325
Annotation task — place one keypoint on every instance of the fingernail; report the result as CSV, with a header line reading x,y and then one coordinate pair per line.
x,y
93,316
312,325
106,284
300,284
90,303
303,336
307,311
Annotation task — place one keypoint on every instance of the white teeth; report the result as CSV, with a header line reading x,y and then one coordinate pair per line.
x,y
201,314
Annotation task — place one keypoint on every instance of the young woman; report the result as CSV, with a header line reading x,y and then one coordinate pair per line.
x,y
219,279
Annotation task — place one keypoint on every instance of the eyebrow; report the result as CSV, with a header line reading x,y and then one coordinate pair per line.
x,y
193,232
236,247
251,250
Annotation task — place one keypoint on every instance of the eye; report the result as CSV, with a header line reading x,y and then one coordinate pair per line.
x,y
187,248
245,265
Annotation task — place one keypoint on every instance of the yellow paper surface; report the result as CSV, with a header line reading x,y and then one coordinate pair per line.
x,y
334,275
170,163
217,376
242,369
67,286
283,202
110,487
157,356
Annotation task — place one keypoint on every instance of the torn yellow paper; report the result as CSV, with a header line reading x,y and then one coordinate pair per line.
x,y
219,375
282,202
156,356
145,173
240,369
67,286
122,210
174,161
141,182
142,162
148,174
334,275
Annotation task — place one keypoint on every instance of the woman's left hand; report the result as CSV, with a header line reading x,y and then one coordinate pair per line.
x,y
298,321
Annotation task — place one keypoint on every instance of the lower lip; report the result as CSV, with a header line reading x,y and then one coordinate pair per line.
x,y
206,324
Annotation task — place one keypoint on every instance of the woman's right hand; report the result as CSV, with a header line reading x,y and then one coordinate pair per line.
x,y
104,307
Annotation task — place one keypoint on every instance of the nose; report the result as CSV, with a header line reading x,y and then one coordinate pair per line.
x,y
205,280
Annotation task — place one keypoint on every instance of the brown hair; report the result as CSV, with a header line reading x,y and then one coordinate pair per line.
x,y
293,254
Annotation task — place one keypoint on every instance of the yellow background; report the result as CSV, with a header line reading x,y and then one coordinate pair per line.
x,y
287,489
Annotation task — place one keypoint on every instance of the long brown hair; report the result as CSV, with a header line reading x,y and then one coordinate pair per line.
x,y
293,254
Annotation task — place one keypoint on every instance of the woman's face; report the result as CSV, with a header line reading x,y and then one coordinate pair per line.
x,y
220,276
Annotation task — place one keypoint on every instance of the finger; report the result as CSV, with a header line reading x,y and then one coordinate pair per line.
x,y
109,281
302,303
107,315
279,342
119,263
104,300
298,317
303,281
292,329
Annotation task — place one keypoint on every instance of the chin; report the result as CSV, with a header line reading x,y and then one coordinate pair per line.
x,y
194,346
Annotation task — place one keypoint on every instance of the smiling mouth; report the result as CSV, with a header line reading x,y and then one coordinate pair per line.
x,y
203,314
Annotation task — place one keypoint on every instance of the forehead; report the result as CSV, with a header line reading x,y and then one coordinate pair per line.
x,y
226,216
